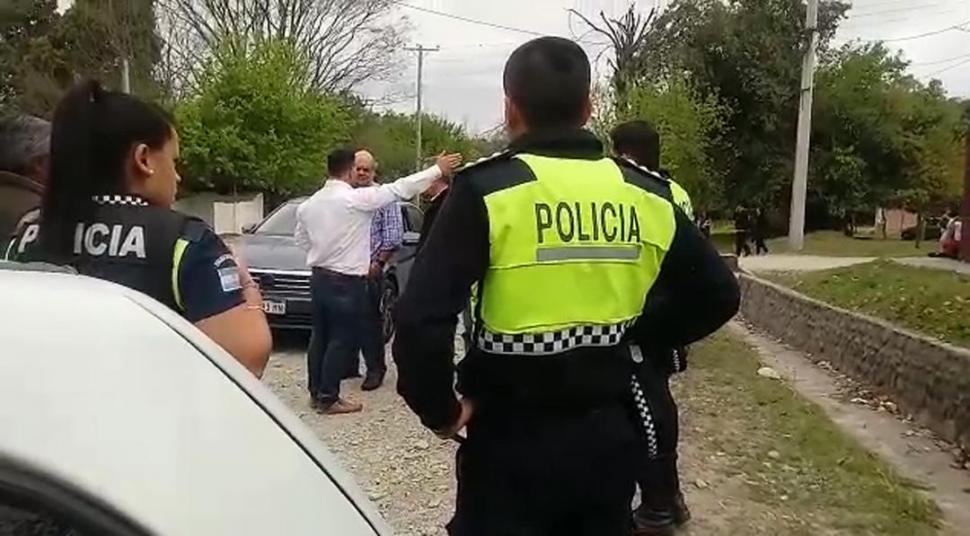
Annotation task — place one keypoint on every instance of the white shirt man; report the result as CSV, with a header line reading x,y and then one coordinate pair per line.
x,y
334,227
334,224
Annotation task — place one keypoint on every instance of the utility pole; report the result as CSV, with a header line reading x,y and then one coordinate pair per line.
x,y
125,75
420,50
799,187
965,209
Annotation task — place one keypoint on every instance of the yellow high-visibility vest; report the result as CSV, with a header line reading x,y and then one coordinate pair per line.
x,y
573,255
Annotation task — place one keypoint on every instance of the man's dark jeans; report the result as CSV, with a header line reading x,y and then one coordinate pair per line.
x,y
372,344
338,303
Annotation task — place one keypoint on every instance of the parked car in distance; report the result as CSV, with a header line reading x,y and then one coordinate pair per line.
x,y
121,418
279,266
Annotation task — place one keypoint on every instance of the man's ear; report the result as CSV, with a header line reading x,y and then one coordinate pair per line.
x,y
587,110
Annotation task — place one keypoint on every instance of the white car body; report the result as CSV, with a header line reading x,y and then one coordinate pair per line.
x,y
114,398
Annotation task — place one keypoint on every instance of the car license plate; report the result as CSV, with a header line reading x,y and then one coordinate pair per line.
x,y
274,307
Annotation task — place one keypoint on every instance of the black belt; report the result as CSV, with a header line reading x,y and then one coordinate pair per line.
x,y
317,270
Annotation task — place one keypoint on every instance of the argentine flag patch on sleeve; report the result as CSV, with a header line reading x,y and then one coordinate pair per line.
x,y
229,279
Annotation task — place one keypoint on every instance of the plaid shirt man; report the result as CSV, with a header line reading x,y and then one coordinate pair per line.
x,y
386,230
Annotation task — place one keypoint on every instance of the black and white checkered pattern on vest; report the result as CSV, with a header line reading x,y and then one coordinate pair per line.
x,y
552,342
119,199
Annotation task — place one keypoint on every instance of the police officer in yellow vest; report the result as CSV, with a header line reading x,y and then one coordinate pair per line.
x,y
662,506
564,247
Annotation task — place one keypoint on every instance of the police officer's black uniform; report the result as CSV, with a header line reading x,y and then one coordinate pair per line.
x,y
172,257
541,453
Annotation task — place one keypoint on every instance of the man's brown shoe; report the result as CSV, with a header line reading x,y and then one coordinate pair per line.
x,y
340,406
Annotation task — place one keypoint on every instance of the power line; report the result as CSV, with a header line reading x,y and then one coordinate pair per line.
x,y
945,69
467,19
866,14
927,34
938,62
853,13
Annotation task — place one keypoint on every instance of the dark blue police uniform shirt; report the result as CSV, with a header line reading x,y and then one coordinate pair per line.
x,y
209,281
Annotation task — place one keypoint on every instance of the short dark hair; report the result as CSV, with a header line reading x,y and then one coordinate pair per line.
x,y
340,161
22,139
548,80
93,131
638,140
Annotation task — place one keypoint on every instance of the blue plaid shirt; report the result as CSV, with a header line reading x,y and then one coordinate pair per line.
x,y
386,230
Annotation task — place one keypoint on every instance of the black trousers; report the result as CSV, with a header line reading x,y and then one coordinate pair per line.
x,y
759,243
546,474
338,303
372,342
657,473
741,243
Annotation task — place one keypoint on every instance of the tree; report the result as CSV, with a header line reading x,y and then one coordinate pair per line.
x,y
104,33
254,124
346,41
747,55
390,137
32,67
627,36
880,137
688,124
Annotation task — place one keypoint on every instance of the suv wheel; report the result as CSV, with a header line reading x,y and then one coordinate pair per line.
x,y
388,300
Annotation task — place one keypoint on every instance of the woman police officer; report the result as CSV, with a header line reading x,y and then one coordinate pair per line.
x,y
107,213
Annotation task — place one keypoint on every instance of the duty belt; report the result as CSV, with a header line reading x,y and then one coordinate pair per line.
x,y
553,342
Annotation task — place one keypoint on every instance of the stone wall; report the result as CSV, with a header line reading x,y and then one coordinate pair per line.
x,y
925,377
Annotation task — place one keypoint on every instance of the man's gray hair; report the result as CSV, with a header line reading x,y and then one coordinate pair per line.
x,y
23,138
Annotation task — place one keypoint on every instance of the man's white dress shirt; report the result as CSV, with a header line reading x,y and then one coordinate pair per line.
x,y
333,225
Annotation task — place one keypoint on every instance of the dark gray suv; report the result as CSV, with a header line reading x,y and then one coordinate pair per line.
x,y
279,266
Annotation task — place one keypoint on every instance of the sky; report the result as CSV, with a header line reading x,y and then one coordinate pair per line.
x,y
462,81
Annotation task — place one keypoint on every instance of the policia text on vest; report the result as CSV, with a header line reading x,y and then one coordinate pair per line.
x,y
578,224
98,240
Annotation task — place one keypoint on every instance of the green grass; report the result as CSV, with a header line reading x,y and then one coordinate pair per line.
x,y
836,244
933,302
821,482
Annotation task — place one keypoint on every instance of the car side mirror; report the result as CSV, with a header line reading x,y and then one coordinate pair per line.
x,y
411,238
249,228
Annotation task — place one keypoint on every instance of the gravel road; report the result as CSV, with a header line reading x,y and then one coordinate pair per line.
x,y
403,468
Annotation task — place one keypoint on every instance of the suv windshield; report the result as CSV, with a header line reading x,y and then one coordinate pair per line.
x,y
281,222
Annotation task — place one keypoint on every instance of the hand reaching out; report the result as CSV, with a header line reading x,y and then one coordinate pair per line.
x,y
448,163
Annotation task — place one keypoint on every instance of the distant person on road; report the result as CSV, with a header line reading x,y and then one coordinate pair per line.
x,y
107,212
24,153
742,228
759,231
386,236
565,247
334,227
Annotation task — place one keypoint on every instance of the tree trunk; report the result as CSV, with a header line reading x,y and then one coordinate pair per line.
x,y
920,229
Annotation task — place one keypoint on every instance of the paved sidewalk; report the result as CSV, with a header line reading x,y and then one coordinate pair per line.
x,y
797,263
936,263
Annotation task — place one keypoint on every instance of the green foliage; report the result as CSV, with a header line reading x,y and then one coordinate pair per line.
x,y
32,65
748,56
43,53
101,33
880,136
255,124
391,138
688,123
